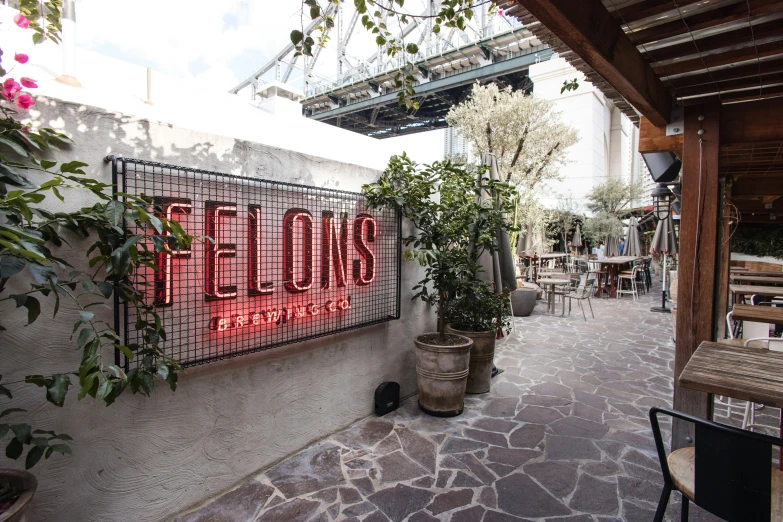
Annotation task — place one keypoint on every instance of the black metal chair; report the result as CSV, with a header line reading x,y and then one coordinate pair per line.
x,y
727,472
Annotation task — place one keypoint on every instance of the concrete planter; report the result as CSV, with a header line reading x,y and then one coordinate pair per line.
x,y
442,374
482,354
523,301
22,481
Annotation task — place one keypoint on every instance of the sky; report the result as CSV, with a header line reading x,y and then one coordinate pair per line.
x,y
215,43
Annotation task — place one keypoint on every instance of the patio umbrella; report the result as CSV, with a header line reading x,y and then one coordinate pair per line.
x,y
664,242
577,239
633,246
498,268
612,246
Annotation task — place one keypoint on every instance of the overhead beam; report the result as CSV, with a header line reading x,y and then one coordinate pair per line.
x,y
701,63
737,72
757,186
593,34
741,36
712,18
654,139
756,121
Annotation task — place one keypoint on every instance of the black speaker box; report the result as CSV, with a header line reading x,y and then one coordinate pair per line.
x,y
387,398
664,167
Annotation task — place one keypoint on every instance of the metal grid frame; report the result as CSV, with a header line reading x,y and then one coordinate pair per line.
x,y
239,295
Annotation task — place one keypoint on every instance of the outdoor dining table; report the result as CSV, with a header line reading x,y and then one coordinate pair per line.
x,y
756,280
745,373
614,264
740,291
552,283
760,273
758,314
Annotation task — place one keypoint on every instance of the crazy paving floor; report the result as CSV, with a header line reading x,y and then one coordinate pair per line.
x,y
563,436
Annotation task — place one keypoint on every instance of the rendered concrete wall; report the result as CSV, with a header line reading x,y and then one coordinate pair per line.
x,y
143,459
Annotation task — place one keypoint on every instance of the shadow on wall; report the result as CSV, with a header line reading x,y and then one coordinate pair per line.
x,y
144,459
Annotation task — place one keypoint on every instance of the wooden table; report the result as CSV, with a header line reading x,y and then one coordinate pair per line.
x,y
756,280
551,291
759,314
761,273
751,374
740,291
614,264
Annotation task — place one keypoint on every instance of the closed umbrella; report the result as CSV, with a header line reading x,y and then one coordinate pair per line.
x,y
633,246
577,240
612,246
664,242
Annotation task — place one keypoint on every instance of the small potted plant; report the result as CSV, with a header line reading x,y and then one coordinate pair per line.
x,y
477,313
453,228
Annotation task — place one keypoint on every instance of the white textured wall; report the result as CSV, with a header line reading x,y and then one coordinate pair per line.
x,y
143,459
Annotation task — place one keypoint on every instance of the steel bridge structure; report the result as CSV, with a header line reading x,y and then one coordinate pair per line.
x,y
360,94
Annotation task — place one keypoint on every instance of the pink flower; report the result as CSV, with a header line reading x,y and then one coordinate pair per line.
x,y
24,101
10,88
22,21
21,58
28,83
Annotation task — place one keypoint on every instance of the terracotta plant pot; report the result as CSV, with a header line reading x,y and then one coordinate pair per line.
x,y
21,481
442,374
482,354
523,300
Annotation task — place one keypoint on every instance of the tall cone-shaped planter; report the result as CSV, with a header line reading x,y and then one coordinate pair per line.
x,y
442,366
482,354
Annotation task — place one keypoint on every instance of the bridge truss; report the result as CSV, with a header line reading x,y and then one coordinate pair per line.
x,y
359,94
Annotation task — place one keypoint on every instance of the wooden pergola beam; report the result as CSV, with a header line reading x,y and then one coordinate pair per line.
x,y
757,186
756,121
593,34
654,139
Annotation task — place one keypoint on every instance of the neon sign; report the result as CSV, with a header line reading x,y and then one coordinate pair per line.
x,y
282,263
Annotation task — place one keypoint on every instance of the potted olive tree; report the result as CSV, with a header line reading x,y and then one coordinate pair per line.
x,y
453,228
477,312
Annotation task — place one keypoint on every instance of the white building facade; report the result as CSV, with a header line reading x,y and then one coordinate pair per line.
x,y
608,140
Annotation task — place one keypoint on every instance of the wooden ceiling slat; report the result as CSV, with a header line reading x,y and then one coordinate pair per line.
x,y
744,83
701,21
754,68
717,60
648,9
740,36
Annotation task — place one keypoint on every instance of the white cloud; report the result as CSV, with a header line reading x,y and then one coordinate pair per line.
x,y
218,42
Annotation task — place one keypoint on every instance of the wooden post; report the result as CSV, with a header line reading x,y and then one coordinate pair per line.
x,y
722,303
699,255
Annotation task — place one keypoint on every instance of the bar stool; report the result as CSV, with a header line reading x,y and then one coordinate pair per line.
x,y
630,277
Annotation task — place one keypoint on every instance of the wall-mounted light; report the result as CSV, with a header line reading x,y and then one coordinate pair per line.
x,y
661,196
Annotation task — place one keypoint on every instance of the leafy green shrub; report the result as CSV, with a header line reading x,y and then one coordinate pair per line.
x,y
34,240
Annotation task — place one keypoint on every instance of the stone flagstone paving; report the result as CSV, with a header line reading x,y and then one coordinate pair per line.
x,y
563,436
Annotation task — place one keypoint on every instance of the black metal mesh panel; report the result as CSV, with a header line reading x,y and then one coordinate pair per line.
x,y
288,263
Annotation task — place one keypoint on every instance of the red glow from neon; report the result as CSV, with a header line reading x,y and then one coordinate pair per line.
x,y
215,251
334,249
364,230
293,267
257,284
275,315
164,276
